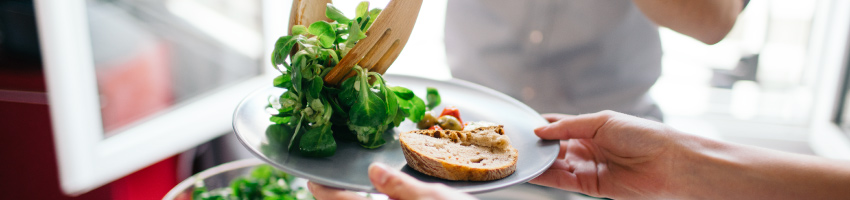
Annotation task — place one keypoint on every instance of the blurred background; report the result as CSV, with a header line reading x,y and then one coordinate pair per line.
x,y
761,85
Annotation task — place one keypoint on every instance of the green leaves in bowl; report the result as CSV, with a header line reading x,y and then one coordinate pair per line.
x,y
264,182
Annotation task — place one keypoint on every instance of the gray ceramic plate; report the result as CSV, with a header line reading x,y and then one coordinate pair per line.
x,y
347,169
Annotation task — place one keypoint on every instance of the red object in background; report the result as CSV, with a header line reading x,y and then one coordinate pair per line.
x,y
29,169
136,87
152,182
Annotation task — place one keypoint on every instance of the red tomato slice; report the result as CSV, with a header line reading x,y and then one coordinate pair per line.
x,y
453,111
436,127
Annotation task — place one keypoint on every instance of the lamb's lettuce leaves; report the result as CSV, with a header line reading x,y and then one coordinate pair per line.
x,y
315,113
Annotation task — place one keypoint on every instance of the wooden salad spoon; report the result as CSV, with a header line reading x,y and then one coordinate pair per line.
x,y
384,39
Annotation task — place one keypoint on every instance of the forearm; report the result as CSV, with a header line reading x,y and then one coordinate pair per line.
x,y
730,171
705,20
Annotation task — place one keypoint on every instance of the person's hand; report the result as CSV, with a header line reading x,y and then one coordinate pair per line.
x,y
609,154
394,184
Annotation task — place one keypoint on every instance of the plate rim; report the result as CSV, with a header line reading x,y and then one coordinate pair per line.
x,y
371,188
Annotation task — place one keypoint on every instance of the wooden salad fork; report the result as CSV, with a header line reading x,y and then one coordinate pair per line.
x,y
384,39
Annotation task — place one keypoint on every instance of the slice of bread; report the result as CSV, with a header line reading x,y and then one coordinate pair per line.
x,y
481,154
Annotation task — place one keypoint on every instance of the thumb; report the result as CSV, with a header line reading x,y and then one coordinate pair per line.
x,y
580,127
394,183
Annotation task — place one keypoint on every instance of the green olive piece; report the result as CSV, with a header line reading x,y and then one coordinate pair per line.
x,y
427,121
449,122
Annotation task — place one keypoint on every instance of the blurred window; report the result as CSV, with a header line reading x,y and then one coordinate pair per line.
x,y
763,71
154,55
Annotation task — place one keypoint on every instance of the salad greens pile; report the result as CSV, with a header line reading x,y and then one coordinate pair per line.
x,y
362,108
264,183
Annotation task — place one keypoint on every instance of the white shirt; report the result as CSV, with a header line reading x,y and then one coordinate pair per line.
x,y
574,57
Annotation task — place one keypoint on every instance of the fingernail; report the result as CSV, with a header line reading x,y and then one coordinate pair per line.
x,y
311,185
379,172
538,129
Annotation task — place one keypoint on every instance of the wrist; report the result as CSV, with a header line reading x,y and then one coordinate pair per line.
x,y
717,170
704,165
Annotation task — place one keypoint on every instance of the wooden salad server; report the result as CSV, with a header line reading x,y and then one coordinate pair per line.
x,y
384,39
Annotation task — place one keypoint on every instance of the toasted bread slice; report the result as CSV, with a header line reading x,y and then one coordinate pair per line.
x,y
481,154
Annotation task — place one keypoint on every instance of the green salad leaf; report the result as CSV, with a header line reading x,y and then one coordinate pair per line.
x,y
318,142
325,33
362,8
361,108
433,97
335,14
